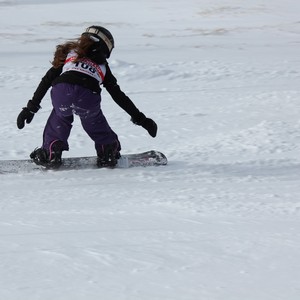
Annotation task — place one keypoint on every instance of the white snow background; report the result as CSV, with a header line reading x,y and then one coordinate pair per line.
x,y
222,220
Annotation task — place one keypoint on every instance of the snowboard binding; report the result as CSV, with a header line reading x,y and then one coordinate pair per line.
x,y
108,155
49,159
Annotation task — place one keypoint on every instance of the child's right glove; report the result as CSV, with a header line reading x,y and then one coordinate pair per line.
x,y
146,123
27,114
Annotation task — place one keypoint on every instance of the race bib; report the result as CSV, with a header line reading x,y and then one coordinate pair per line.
x,y
85,66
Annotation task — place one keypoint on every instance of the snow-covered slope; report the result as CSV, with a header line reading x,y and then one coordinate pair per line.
x,y
221,221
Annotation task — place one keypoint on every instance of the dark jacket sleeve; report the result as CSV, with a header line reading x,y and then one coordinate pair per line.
x,y
111,85
45,84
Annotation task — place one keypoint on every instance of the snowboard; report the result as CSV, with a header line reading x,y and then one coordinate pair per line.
x,y
144,159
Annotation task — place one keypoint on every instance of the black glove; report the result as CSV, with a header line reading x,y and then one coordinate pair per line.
x,y
27,114
146,123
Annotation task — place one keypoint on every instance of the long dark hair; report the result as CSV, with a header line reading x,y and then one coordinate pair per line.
x,y
81,46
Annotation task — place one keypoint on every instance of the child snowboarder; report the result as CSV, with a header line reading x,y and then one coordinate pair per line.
x,y
78,69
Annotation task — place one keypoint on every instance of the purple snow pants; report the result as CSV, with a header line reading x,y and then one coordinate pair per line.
x,y
67,100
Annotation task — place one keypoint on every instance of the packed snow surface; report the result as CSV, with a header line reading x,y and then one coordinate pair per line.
x,y
222,220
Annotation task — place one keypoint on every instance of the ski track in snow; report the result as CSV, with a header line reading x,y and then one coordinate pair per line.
x,y
221,221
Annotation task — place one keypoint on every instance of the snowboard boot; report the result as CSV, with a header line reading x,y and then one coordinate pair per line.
x,y
56,149
107,155
51,159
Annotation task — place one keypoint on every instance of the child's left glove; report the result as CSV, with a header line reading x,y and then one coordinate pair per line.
x,y
27,114
146,123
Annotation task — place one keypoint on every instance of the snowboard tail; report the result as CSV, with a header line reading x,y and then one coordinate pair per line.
x,y
144,159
